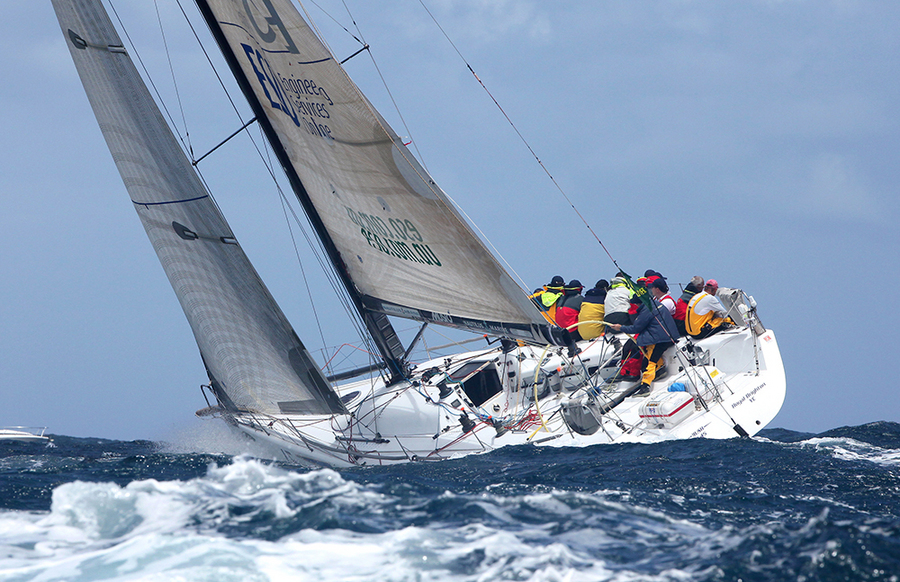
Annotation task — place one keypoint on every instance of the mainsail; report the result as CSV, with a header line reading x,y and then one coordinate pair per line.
x,y
400,246
254,358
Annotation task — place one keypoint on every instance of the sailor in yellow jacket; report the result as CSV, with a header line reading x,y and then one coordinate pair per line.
x,y
705,313
546,299
590,316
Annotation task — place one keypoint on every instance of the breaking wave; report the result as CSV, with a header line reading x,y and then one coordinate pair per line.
x,y
786,506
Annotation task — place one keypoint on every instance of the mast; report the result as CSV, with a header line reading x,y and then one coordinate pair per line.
x,y
377,324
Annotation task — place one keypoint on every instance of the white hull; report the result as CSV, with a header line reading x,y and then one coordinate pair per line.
x,y
739,391
23,434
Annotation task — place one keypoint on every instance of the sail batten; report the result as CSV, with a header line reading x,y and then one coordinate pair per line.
x,y
254,358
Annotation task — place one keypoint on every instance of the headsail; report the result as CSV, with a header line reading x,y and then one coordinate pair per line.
x,y
402,247
255,359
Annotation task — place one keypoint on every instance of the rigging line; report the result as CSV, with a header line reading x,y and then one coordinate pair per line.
x,y
415,144
522,137
386,87
310,241
326,267
159,98
223,142
212,66
361,39
186,145
285,204
287,220
353,20
328,367
162,33
325,12
329,274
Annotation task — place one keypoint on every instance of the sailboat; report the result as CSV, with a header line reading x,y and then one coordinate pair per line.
x,y
399,249
27,434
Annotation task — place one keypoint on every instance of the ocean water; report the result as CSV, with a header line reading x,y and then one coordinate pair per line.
x,y
781,506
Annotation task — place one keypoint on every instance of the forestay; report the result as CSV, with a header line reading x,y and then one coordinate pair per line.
x,y
253,356
405,248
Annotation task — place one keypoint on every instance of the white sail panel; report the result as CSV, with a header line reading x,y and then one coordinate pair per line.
x,y
253,356
404,246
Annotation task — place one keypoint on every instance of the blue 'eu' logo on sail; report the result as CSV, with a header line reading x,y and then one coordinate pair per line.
x,y
273,25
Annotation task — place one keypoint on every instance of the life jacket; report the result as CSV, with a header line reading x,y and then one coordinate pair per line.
x,y
662,301
694,323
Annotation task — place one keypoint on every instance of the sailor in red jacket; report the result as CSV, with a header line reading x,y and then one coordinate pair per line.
x,y
568,307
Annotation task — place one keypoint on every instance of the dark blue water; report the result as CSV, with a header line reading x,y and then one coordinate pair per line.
x,y
782,506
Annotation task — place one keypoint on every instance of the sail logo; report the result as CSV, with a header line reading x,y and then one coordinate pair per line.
x,y
272,22
397,237
400,311
441,317
292,96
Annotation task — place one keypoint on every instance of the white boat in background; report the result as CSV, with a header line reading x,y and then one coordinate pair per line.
x,y
398,249
30,434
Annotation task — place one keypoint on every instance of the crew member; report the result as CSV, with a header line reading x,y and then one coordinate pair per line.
x,y
691,289
590,317
660,291
568,308
546,299
705,313
616,305
656,332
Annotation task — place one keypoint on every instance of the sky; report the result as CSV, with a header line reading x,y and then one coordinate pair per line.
x,y
756,142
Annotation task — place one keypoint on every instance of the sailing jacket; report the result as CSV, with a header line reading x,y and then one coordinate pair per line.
x,y
655,325
592,310
617,297
547,299
682,304
568,307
